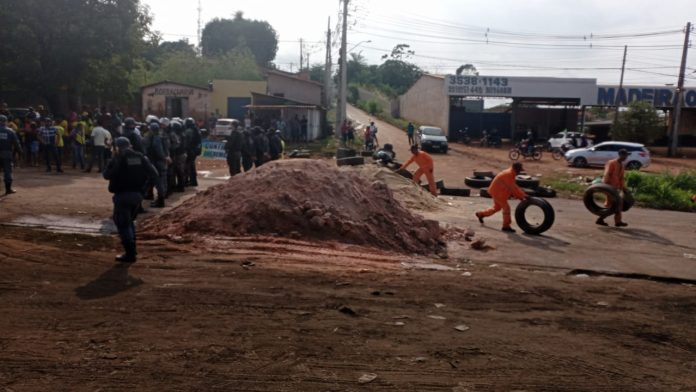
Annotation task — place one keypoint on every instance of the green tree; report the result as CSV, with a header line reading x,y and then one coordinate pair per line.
x,y
66,48
640,124
467,69
399,75
316,73
224,35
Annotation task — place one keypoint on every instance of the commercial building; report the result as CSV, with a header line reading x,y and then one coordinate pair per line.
x,y
172,99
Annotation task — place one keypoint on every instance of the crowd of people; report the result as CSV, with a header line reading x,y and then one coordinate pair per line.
x,y
86,140
248,147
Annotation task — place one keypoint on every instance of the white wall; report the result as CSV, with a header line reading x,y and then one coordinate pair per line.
x,y
426,103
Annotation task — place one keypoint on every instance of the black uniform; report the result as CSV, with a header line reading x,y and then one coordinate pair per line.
x,y
157,153
261,143
248,150
8,142
194,149
275,146
128,174
233,148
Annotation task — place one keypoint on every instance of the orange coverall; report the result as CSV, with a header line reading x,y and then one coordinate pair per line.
x,y
501,189
425,166
614,176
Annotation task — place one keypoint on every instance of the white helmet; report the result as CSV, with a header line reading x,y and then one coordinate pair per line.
x,y
150,118
164,121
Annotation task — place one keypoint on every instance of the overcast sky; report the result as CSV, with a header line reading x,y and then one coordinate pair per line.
x,y
581,38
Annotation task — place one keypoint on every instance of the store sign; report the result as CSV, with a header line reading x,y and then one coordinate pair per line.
x,y
174,91
660,97
583,90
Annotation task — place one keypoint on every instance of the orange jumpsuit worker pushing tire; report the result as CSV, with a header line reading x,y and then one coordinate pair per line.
x,y
501,189
425,166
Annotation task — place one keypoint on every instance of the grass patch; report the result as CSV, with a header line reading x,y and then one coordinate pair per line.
x,y
568,187
663,191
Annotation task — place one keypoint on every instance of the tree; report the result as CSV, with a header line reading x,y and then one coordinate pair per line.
x,y
467,69
92,53
400,52
640,124
221,36
316,73
399,75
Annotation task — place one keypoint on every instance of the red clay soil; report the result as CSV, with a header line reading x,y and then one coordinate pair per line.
x,y
301,198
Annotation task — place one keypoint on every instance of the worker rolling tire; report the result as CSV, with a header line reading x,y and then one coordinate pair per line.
x,y
462,192
345,153
483,192
474,182
439,184
350,161
526,226
483,174
523,182
611,193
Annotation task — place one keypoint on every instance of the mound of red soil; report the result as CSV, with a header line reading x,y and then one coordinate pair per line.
x,y
301,198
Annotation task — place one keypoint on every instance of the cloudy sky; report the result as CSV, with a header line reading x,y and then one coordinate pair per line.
x,y
581,38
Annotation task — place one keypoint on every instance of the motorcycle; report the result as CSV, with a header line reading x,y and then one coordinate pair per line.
x,y
462,136
490,141
522,150
558,153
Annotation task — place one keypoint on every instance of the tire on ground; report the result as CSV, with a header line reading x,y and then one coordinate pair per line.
x,y
545,192
483,192
405,173
611,193
345,153
527,182
475,182
350,161
483,174
463,192
366,153
439,184
521,219
628,201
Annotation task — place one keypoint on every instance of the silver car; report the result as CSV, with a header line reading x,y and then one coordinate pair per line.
x,y
432,139
638,155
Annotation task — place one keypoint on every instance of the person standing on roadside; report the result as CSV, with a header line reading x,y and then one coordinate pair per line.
x,y
425,166
8,142
101,138
233,148
502,188
194,147
78,144
49,137
614,176
410,130
128,173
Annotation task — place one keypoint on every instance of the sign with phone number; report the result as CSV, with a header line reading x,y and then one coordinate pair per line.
x,y
478,85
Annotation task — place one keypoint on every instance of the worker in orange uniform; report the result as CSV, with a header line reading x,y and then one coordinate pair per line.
x,y
614,176
425,166
501,189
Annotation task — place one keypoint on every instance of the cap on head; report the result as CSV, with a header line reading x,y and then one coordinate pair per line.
x,y
414,148
517,166
122,142
623,152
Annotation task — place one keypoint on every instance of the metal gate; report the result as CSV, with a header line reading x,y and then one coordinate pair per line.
x,y
476,123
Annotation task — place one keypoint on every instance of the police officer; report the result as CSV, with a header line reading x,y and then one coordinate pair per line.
x,y
194,145
135,139
233,148
159,156
8,141
178,153
128,173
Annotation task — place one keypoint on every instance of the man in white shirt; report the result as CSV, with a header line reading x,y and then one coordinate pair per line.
x,y
101,140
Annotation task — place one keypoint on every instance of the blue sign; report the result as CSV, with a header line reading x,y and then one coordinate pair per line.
x,y
660,97
213,150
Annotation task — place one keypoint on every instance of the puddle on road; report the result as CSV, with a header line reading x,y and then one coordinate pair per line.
x,y
66,224
425,266
209,174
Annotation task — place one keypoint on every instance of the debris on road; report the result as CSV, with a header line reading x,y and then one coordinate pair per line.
x,y
462,328
367,378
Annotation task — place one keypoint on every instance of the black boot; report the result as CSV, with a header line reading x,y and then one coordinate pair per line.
x,y
130,255
159,203
8,188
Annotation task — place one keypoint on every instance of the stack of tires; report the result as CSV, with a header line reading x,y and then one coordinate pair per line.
x,y
348,157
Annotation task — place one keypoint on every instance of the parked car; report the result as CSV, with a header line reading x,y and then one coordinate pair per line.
x,y
561,138
432,139
224,126
598,155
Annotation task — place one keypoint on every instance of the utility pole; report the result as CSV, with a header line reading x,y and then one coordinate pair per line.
x,y
676,113
308,61
327,68
343,92
301,55
200,11
616,100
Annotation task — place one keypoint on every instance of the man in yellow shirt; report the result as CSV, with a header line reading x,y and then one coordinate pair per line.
x,y
60,141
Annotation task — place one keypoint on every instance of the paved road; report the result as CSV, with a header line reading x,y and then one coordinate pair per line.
x,y
656,242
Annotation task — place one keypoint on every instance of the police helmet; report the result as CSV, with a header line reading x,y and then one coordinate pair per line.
x,y
189,122
154,126
151,118
129,123
3,119
164,121
176,125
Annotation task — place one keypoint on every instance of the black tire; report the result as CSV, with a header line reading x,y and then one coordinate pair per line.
x,y
405,173
514,154
633,165
366,153
602,211
521,219
483,192
345,153
628,201
482,174
350,161
462,192
536,155
473,182
527,183
580,162
445,150
545,192
557,154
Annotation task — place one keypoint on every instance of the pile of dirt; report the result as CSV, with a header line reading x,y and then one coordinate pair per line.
x,y
301,198
405,191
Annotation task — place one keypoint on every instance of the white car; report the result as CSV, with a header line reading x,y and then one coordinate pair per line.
x,y
561,138
224,126
432,139
638,155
